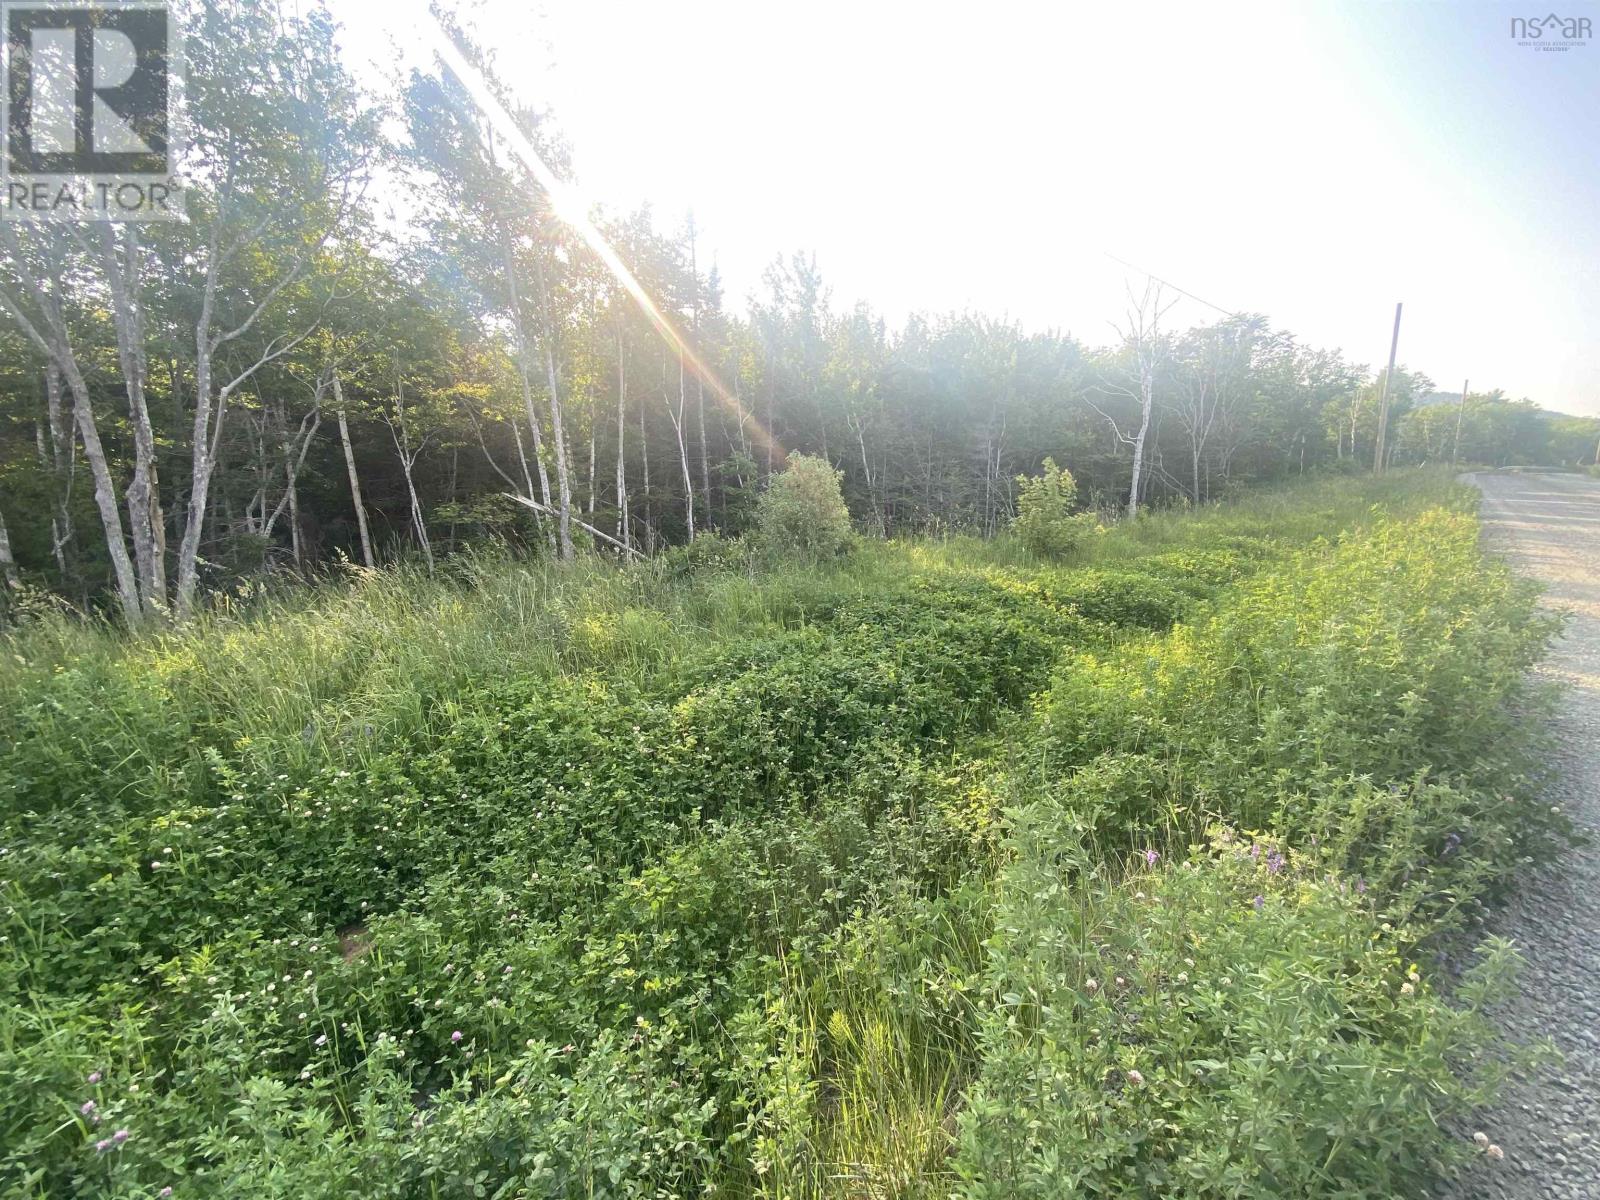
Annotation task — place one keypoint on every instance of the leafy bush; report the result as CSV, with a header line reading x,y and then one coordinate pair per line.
x,y
1241,1024
1045,522
803,511
1120,598
687,877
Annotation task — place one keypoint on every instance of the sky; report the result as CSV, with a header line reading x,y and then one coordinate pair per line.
x,y
1313,161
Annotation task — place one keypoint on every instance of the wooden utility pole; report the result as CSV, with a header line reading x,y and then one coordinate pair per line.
x,y
1461,411
1380,451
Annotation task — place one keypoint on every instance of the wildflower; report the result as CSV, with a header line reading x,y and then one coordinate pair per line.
x,y
1135,1078
1406,989
1255,850
1121,982
164,1193
1260,902
103,1145
302,1016
120,1136
1275,863
1183,977
1482,1139
1361,885
1495,1152
322,1040
88,1107
1092,985
94,1076
1151,858
455,1036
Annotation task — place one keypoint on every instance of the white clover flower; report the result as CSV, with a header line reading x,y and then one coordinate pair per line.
x,y
1482,1139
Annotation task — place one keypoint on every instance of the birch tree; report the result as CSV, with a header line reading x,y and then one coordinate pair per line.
x,y
1145,350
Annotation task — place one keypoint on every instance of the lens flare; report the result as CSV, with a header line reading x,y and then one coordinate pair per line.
x,y
574,211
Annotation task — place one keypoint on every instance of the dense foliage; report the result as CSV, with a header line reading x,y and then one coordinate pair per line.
x,y
294,379
931,867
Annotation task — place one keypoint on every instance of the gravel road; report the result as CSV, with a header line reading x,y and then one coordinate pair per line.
x,y
1548,526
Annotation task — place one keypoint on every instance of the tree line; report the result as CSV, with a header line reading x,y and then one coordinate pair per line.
x,y
376,337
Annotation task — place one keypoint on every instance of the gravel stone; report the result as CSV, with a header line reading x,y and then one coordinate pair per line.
x,y
1548,526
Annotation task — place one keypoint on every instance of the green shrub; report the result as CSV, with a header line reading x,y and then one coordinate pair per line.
x,y
1120,598
740,881
1045,523
803,511
1241,1024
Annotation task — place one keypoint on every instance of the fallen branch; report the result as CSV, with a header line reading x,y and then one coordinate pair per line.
x,y
548,511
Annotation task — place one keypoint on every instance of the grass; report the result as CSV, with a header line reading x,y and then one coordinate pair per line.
x,y
713,875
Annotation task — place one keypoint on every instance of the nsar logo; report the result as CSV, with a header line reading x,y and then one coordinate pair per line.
x,y
1551,32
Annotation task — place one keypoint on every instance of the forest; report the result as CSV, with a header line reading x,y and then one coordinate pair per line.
x,y
376,339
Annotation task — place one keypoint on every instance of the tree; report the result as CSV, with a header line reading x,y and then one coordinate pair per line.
x,y
1144,352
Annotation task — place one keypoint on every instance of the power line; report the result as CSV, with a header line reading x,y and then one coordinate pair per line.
x,y
1167,283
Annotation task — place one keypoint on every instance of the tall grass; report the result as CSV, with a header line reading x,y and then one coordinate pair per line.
x,y
331,670
735,877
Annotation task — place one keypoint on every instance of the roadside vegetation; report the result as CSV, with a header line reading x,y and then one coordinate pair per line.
x,y
1082,861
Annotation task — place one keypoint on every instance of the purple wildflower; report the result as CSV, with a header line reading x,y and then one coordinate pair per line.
x,y
1151,858
1275,863
103,1145
165,1192
1361,885
88,1107
1255,850
1260,902
94,1076
455,1036
120,1136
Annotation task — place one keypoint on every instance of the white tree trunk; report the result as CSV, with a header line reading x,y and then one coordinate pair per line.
x,y
558,434
52,339
622,441
8,565
683,451
146,525
63,465
355,480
